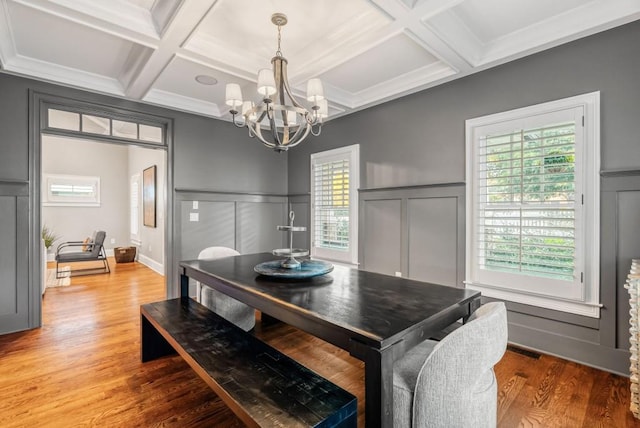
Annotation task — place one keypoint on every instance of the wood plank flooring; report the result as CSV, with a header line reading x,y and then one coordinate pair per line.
x,y
82,368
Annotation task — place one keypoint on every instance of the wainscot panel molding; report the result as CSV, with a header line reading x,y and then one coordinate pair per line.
x,y
243,221
415,231
408,229
620,232
14,257
604,342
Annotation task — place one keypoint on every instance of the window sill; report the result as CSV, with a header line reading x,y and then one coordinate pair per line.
x,y
337,262
587,309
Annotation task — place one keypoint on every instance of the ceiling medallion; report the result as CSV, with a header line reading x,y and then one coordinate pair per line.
x,y
279,120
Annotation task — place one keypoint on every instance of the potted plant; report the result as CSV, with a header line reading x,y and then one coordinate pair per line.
x,y
48,236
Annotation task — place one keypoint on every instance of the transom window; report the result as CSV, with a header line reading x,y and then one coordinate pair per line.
x,y
104,126
532,199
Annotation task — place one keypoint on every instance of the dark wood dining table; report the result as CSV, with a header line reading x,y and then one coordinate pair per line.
x,y
376,318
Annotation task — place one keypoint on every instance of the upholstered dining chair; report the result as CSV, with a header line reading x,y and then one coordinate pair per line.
x,y
227,307
451,383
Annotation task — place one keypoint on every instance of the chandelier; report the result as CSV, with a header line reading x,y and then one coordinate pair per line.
x,y
279,121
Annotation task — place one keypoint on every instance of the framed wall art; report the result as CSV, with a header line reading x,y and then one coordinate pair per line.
x,y
149,196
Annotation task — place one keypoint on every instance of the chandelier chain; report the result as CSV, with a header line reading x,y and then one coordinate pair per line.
x,y
279,52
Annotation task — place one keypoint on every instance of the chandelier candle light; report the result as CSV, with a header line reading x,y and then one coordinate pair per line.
x,y
279,121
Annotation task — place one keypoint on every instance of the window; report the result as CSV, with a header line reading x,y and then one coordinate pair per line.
x,y
533,205
71,190
134,201
334,204
84,123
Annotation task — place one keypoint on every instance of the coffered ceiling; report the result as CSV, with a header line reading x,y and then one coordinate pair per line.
x,y
365,51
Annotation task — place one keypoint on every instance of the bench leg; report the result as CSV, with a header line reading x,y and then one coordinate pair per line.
x,y
152,344
350,422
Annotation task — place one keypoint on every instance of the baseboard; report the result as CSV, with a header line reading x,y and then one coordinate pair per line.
x,y
150,263
569,348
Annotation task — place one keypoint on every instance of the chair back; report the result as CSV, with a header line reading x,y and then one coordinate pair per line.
x,y
217,253
456,385
98,242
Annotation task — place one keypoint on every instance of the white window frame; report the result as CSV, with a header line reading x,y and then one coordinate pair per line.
x,y
134,204
352,154
52,200
587,302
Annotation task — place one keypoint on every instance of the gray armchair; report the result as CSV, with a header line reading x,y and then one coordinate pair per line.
x,y
227,307
80,251
451,383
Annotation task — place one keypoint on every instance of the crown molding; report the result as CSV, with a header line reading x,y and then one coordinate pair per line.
x,y
55,73
182,103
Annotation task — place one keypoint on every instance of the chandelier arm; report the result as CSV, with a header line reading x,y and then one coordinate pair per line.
x,y
287,89
319,129
274,130
280,76
240,124
297,136
261,117
294,142
258,133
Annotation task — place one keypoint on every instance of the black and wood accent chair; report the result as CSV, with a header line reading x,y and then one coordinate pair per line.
x,y
83,251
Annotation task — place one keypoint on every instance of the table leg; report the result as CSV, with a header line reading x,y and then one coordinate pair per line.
x,y
473,305
378,379
184,285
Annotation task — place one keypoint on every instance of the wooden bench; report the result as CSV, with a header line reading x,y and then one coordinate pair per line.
x,y
262,386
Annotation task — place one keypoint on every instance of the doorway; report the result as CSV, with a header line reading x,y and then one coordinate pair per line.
x,y
88,186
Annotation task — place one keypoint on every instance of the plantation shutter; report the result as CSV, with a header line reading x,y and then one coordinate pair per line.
x,y
331,204
334,204
528,205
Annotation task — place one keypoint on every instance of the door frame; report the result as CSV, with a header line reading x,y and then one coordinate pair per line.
x,y
39,103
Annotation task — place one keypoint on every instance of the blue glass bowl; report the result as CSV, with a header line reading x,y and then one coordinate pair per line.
x,y
307,269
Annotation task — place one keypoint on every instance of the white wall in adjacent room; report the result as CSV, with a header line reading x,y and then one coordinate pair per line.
x,y
151,246
71,156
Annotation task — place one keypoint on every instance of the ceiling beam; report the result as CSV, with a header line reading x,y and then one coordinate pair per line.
x,y
185,20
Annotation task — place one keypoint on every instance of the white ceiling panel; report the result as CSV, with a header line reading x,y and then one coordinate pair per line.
x,y
67,44
394,57
492,19
366,51
245,25
178,80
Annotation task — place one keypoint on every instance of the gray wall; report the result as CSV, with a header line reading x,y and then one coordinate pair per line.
x,y
61,155
412,160
244,222
151,246
207,155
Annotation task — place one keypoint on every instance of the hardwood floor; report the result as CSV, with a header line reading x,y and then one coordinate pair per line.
x,y
82,368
